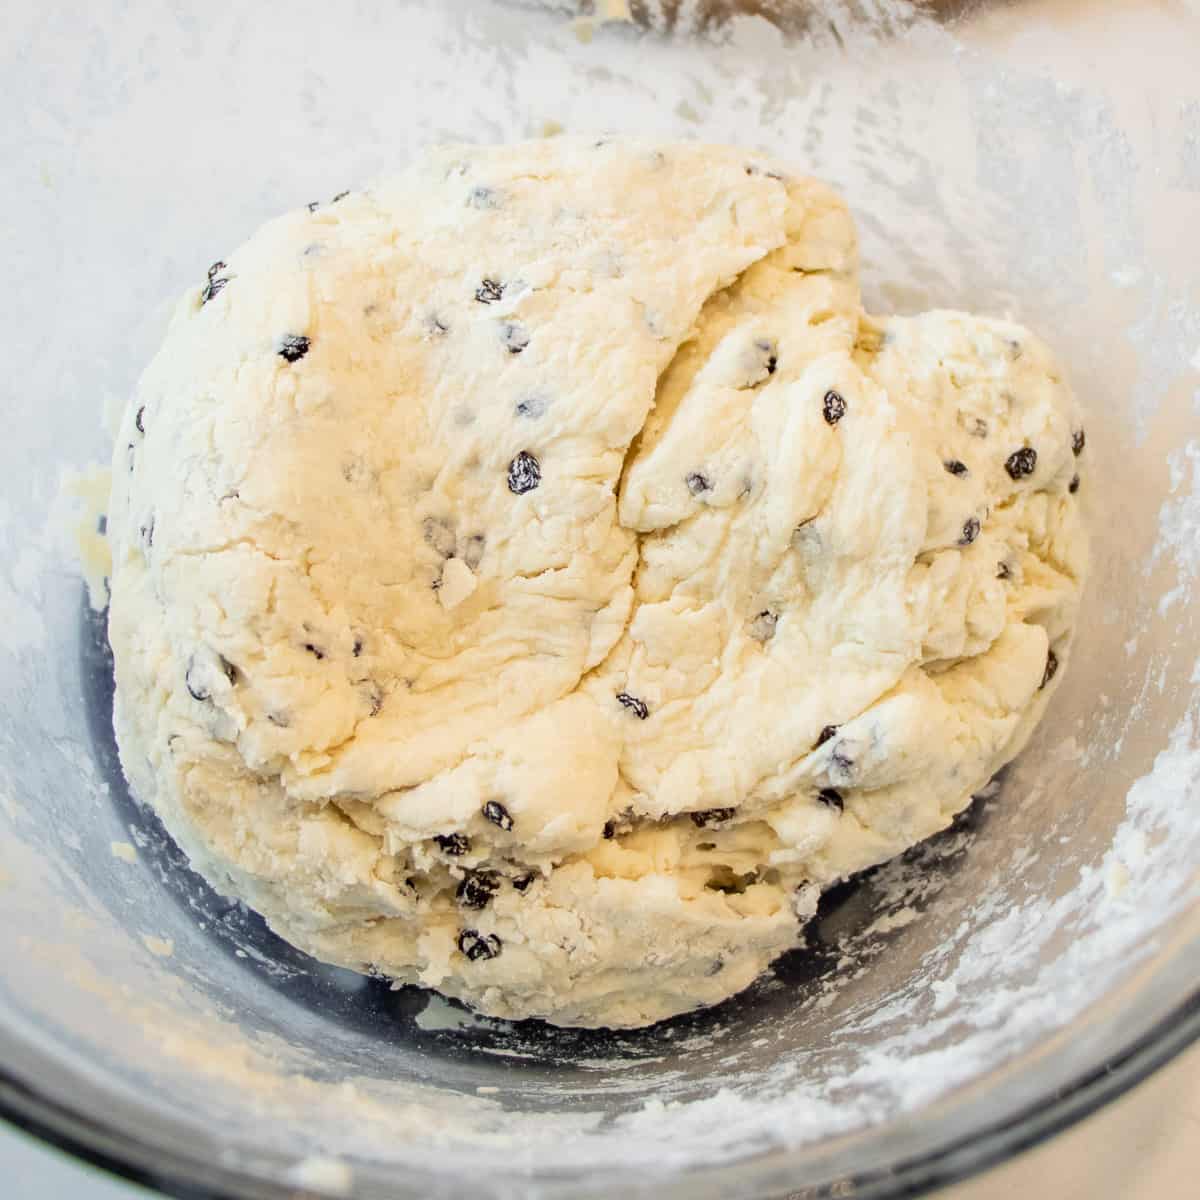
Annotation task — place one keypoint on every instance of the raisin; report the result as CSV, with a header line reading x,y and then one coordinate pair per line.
x,y
523,881
340,196
832,797
293,347
841,760
698,484
1021,462
477,888
357,648
473,551
970,531
826,733
524,473
1051,669
138,422
495,812
196,690
1073,486
1078,441
833,407
762,628
712,816
315,651
978,427
453,844
515,337
489,291
955,467
313,205
1003,570
216,281
769,349
609,831
532,407
477,946
635,706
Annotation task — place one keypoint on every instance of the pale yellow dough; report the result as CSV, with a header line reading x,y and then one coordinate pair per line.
x,y
550,500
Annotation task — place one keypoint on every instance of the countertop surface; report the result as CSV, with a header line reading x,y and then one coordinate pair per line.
x,y
1144,1147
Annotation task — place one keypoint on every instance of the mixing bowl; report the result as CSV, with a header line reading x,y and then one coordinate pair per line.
x,y
1037,160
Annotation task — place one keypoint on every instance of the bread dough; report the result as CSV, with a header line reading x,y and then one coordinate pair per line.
x,y
536,578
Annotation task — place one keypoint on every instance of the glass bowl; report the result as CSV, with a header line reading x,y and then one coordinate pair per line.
x,y
1038,160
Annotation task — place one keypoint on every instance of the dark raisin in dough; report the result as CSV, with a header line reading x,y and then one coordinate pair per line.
x,y
826,733
978,428
293,347
1051,669
1021,463
216,281
610,830
712,816
832,797
357,648
1003,570
955,467
833,407
1073,486
521,882
489,291
524,473
532,407
313,205
698,484
340,196
138,420
495,812
514,336
635,706
477,946
477,888
1078,441
315,651
454,844
970,531
196,690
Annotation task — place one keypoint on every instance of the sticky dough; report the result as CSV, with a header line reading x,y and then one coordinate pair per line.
x,y
535,576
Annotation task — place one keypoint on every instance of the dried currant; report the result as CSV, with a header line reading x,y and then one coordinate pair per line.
x,y
314,650
532,407
524,473
635,706
970,531
712,816
833,407
826,733
514,336
609,831
1073,486
955,467
340,196
1078,441
489,291
453,844
495,812
477,946
477,888
698,484
138,422
292,347
521,882
216,281
1021,463
832,798
1051,669
978,427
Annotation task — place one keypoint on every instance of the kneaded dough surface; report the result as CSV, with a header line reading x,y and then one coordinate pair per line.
x,y
536,577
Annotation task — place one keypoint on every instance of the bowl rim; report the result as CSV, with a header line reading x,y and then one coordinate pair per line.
x,y
173,1173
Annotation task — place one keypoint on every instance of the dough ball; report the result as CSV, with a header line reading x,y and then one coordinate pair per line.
x,y
535,576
